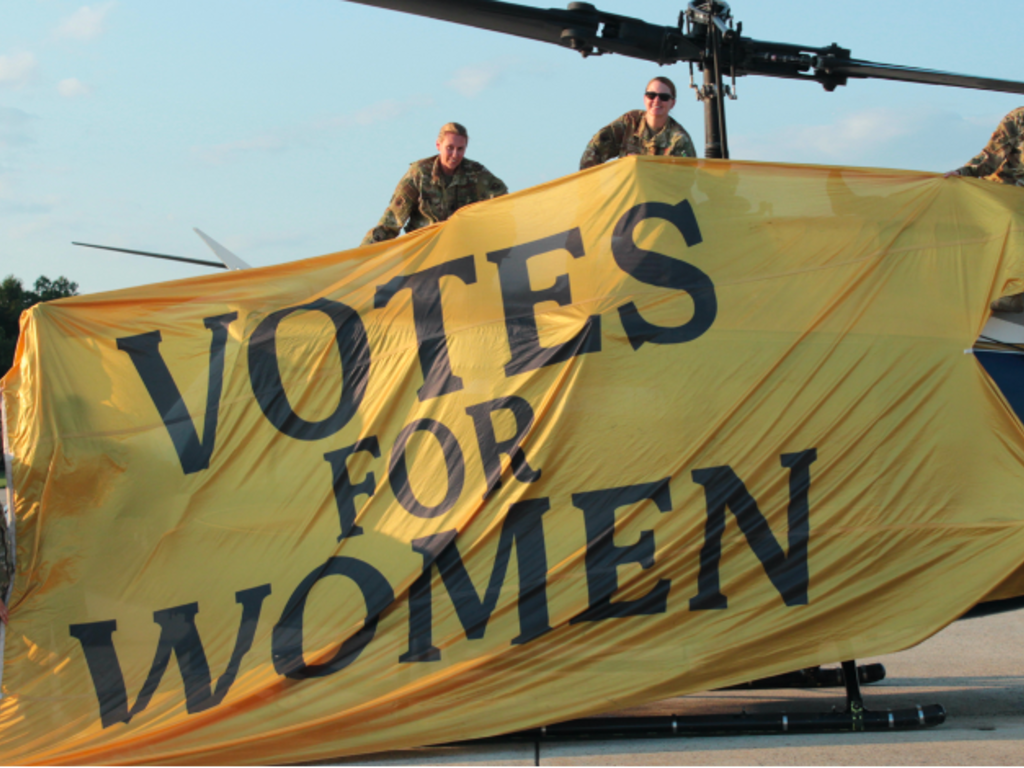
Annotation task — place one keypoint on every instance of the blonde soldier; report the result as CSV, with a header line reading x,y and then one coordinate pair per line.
x,y
436,187
647,131
1002,159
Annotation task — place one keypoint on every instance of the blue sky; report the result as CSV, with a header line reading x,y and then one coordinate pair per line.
x,y
282,128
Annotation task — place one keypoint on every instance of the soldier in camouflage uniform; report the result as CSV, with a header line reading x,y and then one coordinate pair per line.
x,y
1002,159
642,132
436,187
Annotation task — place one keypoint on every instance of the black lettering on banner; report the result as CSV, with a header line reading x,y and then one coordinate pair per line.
x,y
178,633
788,572
604,557
523,527
455,464
144,351
286,641
345,491
665,272
491,449
265,373
520,299
429,319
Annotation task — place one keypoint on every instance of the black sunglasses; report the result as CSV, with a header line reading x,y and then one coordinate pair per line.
x,y
652,95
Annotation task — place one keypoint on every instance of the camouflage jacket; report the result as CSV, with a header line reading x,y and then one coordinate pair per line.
x,y
425,195
1002,159
630,135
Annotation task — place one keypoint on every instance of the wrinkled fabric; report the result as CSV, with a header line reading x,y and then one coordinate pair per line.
x,y
426,195
659,427
630,135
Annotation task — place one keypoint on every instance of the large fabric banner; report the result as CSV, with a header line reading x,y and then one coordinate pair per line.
x,y
657,427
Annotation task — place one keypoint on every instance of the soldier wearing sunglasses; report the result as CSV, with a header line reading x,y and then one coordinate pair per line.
x,y
436,187
648,131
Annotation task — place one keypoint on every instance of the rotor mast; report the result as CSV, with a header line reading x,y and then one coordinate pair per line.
x,y
712,20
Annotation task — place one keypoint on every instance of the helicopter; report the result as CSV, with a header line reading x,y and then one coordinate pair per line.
x,y
608,34
710,41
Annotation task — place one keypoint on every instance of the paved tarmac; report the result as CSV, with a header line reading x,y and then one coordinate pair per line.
x,y
974,668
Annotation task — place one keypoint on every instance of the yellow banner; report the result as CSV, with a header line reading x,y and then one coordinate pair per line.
x,y
654,428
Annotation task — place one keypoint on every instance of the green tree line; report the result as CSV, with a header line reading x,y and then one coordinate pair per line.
x,y
15,298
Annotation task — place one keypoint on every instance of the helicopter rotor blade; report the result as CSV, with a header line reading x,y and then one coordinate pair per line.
x,y
582,27
866,69
231,261
155,255
589,31
832,66
522,21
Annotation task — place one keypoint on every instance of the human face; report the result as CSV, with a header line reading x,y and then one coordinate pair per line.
x,y
657,109
452,148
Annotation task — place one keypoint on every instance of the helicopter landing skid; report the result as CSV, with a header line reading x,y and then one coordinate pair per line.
x,y
856,717
813,677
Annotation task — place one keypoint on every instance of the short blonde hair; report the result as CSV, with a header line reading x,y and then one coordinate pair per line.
x,y
457,128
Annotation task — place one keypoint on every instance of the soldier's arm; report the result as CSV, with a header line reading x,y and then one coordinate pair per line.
x,y
402,204
605,145
490,186
992,156
683,147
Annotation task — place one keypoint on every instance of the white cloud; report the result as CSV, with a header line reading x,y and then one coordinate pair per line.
x,y
84,24
474,79
222,153
72,87
857,132
15,127
41,222
381,112
17,68
865,136
15,202
38,207
309,133
924,136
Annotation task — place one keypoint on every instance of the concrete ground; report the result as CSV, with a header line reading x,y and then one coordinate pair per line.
x,y
974,668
